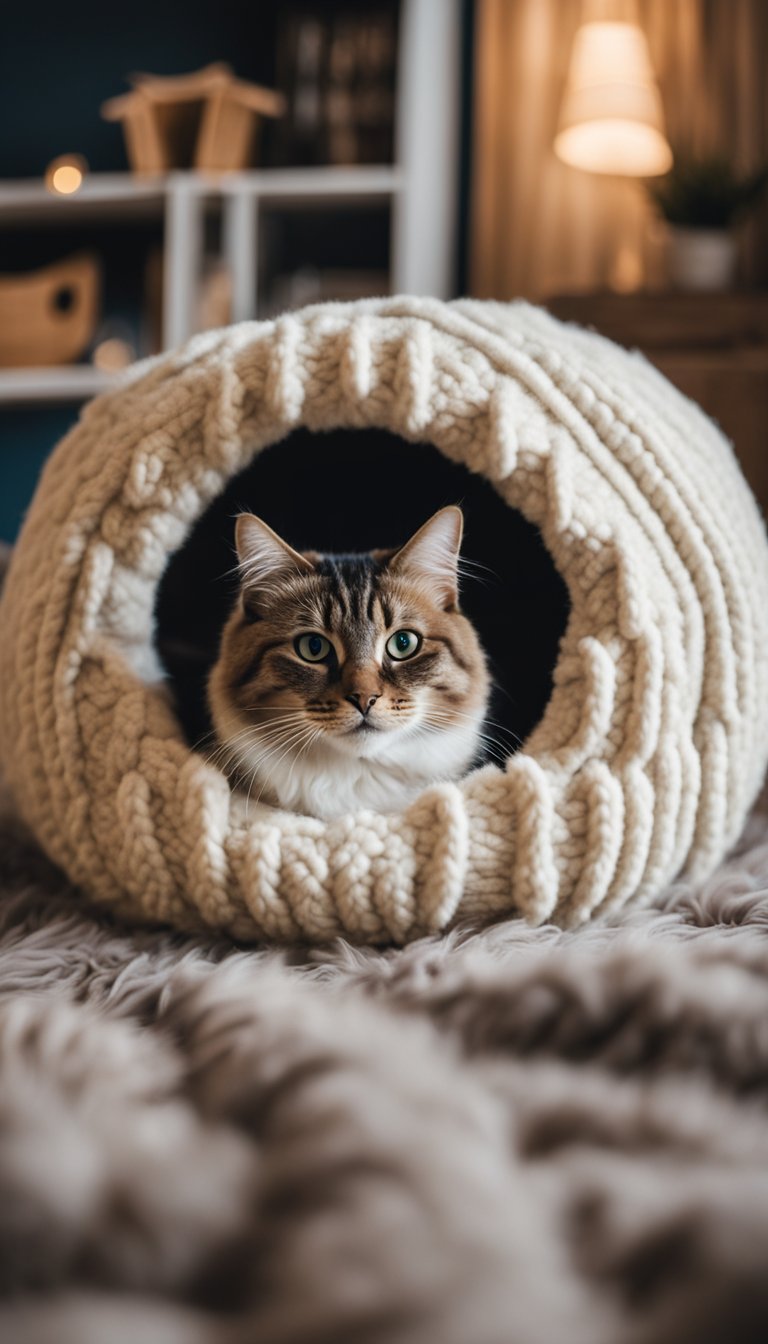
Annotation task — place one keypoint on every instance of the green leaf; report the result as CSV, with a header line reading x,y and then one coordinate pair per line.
x,y
705,193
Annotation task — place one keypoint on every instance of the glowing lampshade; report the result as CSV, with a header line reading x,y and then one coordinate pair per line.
x,y
611,118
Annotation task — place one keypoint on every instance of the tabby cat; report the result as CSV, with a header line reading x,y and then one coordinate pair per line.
x,y
346,682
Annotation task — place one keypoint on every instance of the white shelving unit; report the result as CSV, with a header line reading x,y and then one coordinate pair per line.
x,y
420,189
66,382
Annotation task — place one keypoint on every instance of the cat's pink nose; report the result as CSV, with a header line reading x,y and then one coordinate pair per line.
x,y
362,702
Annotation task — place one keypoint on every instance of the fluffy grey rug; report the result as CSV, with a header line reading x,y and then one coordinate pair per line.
x,y
500,1137
495,1137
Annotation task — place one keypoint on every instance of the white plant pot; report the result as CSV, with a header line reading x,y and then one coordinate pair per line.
x,y
701,259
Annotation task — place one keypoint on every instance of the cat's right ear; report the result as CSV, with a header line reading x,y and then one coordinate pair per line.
x,y
264,558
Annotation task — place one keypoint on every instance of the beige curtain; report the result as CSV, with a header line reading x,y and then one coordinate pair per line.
x,y
538,227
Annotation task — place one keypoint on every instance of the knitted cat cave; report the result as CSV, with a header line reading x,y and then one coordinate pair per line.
x,y
655,738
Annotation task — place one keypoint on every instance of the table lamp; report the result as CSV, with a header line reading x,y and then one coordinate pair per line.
x,y
611,117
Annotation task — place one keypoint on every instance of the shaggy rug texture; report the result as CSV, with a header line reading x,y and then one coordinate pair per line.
x,y
510,1136
504,1136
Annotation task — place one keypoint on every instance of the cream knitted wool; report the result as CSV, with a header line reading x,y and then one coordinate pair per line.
x,y
655,738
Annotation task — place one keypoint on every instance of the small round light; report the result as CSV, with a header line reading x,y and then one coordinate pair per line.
x,y
65,175
113,355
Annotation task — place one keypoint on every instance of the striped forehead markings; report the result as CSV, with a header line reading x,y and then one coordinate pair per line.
x,y
351,586
346,592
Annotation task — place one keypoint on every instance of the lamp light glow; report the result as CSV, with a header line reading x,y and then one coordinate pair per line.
x,y
611,117
66,174
113,355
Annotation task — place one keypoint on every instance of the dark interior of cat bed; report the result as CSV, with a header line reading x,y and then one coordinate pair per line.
x,y
353,490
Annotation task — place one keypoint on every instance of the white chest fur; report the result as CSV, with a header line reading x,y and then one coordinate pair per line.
x,y
330,780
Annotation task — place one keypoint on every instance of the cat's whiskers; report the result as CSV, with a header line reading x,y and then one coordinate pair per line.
x,y
272,741
261,725
494,723
248,727
199,744
487,748
303,742
236,740
468,569
313,736
293,741
271,736
486,720
449,715
436,721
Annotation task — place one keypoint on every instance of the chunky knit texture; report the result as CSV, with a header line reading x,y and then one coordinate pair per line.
x,y
655,739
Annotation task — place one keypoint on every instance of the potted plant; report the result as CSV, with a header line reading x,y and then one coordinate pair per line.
x,y
701,200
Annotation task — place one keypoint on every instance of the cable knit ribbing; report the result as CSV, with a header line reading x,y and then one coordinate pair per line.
x,y
655,739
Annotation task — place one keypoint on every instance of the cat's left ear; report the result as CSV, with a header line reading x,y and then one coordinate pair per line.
x,y
431,557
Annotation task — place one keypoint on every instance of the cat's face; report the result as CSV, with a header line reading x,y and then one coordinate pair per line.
x,y
352,652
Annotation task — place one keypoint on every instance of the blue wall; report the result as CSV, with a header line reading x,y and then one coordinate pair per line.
x,y
59,62
26,439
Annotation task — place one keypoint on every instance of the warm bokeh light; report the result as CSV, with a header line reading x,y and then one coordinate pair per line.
x,y
65,175
113,355
611,118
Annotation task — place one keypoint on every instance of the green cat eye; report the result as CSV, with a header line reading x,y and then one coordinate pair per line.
x,y
312,648
403,644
